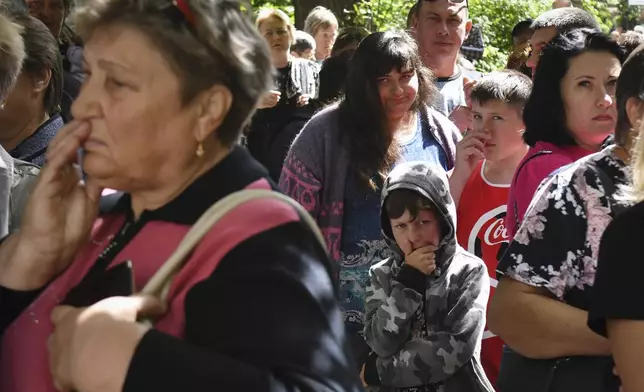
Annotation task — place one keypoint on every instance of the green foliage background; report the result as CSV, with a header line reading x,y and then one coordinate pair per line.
x,y
284,5
497,18
381,15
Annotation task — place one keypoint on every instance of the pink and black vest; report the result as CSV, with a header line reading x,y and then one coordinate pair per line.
x,y
23,357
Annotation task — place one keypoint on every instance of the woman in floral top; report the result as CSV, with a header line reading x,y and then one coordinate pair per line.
x,y
540,306
616,310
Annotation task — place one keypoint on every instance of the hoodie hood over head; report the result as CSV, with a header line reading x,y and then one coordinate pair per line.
x,y
430,181
426,330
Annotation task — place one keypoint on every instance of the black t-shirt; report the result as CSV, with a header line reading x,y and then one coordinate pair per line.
x,y
618,291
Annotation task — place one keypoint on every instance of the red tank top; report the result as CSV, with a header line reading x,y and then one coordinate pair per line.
x,y
481,231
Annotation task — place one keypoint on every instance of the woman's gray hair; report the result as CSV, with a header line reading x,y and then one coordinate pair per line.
x,y
13,54
319,18
215,44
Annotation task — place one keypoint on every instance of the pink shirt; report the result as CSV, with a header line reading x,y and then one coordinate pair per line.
x,y
527,180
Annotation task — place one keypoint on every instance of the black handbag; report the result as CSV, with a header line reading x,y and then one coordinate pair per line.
x,y
587,374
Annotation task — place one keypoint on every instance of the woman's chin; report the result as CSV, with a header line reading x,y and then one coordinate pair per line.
x,y
100,170
397,114
602,127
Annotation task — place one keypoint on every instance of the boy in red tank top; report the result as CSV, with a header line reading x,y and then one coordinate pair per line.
x,y
486,159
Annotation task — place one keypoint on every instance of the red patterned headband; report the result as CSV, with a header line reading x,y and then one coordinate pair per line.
x,y
182,5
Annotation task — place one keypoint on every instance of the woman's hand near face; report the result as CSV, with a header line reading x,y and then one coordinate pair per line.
x,y
270,99
91,348
57,220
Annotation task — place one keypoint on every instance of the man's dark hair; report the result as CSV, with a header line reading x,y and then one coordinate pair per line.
x,y
303,42
348,38
566,19
333,77
630,41
522,27
402,200
544,115
510,87
416,8
413,11
629,85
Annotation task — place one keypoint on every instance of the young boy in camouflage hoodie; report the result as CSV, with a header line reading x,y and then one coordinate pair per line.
x,y
425,307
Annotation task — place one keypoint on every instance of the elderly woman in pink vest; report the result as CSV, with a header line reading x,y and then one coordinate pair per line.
x,y
169,87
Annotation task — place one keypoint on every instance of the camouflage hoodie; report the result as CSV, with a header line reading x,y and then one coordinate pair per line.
x,y
426,330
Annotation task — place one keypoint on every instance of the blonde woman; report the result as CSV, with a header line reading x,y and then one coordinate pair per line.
x,y
285,109
616,310
322,24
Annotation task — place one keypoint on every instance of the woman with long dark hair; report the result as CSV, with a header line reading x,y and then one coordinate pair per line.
x,y
570,114
337,164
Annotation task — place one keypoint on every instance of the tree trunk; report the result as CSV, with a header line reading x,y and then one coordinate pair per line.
x,y
303,7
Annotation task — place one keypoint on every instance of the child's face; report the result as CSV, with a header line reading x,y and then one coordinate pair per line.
x,y
504,125
411,234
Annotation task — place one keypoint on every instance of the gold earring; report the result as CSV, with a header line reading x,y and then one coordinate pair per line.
x,y
200,150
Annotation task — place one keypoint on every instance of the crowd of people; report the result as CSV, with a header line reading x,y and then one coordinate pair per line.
x,y
479,231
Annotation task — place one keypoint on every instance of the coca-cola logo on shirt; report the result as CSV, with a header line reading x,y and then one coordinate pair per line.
x,y
496,233
489,237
